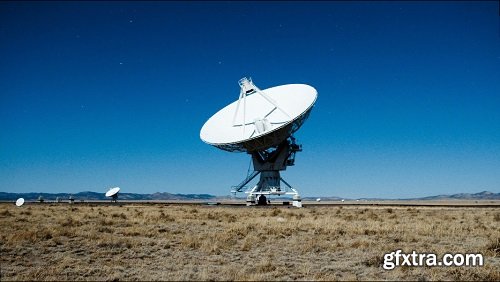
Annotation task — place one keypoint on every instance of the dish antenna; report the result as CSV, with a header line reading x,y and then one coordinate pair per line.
x,y
20,202
113,193
262,123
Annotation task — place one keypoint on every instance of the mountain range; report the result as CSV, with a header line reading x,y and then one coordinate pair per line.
x,y
88,195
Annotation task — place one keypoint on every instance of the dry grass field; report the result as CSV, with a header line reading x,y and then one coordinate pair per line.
x,y
175,242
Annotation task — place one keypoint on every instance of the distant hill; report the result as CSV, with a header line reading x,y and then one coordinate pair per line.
x,y
485,195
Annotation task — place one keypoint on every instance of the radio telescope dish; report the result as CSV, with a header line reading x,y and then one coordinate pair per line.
x,y
262,123
20,202
259,119
113,193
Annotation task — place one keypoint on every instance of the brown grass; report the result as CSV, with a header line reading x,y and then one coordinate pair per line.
x,y
174,242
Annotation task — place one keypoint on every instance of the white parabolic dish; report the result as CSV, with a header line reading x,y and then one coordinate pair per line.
x,y
294,101
112,191
20,202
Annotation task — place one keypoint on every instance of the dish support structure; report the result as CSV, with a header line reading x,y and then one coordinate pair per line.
x,y
268,163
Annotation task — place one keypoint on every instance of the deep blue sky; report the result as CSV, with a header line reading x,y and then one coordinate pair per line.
x,y
95,95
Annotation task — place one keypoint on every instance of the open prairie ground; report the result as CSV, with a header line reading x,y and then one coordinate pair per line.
x,y
179,242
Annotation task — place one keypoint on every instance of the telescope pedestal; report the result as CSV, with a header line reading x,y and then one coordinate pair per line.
x,y
268,164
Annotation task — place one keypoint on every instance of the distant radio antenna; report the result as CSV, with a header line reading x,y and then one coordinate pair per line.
x,y
113,194
20,202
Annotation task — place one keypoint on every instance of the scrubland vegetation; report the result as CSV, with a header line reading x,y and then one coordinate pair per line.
x,y
175,242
